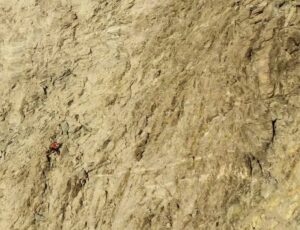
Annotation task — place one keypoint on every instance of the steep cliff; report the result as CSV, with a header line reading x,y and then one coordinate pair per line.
x,y
174,114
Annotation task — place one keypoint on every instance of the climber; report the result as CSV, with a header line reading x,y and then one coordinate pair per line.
x,y
54,147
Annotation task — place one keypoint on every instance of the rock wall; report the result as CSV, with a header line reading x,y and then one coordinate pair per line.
x,y
174,114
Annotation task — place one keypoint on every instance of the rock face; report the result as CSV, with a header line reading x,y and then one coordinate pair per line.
x,y
172,114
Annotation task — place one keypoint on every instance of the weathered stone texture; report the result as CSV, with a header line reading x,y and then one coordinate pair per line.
x,y
174,114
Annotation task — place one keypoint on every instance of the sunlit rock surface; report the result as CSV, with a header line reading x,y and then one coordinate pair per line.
x,y
172,114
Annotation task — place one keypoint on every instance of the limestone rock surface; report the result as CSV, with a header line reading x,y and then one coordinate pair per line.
x,y
173,114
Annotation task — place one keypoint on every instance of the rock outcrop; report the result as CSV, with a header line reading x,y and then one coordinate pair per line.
x,y
172,114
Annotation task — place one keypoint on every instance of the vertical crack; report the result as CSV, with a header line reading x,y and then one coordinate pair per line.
x,y
273,130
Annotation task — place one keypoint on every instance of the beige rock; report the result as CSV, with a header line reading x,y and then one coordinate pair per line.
x,y
172,114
